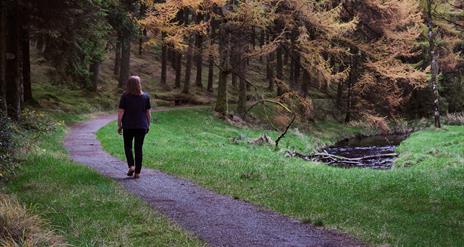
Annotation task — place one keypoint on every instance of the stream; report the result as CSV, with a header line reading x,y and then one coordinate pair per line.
x,y
366,146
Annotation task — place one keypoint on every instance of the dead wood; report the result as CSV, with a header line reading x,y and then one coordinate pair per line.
x,y
331,158
262,140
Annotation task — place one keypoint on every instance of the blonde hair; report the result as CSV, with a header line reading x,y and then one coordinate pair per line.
x,y
134,86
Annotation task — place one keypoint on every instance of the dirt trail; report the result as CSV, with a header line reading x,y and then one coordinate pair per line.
x,y
219,220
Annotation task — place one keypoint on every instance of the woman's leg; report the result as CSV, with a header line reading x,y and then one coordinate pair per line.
x,y
128,136
139,137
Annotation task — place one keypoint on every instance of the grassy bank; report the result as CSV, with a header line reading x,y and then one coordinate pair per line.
x,y
434,148
85,207
418,206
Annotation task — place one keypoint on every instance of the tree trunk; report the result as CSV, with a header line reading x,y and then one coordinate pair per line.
x,y
199,54
279,70
434,65
296,70
286,56
269,64
270,71
224,50
178,69
143,31
339,94
305,82
163,60
242,91
210,70
291,74
262,38
140,45
351,79
349,102
26,60
3,36
13,58
117,56
188,58
211,56
124,71
253,37
171,56
94,70
234,65
188,68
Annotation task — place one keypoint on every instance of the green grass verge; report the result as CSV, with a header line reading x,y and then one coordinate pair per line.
x,y
439,148
85,207
418,206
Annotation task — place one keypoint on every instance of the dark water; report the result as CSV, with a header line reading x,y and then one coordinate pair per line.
x,y
367,146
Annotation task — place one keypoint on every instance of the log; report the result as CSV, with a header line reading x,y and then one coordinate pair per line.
x,y
331,158
368,157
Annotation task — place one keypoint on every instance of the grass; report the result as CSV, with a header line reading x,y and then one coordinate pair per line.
x,y
418,206
447,149
85,207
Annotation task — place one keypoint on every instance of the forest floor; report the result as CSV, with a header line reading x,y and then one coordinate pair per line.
x,y
419,202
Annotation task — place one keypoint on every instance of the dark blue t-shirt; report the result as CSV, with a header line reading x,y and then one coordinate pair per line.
x,y
135,107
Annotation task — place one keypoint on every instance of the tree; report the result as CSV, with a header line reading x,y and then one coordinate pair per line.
x,y
385,37
13,60
199,53
119,17
26,61
316,38
164,61
224,56
3,20
434,64
117,56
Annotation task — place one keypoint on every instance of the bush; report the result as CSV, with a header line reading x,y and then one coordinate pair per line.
x,y
6,144
20,228
32,125
36,121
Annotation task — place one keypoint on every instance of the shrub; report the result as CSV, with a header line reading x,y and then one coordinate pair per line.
x,y
32,125
6,144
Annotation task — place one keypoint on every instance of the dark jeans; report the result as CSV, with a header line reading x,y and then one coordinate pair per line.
x,y
138,135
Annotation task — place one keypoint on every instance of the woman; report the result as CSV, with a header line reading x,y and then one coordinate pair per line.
x,y
134,122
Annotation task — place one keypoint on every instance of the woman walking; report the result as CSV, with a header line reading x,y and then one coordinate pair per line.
x,y
134,123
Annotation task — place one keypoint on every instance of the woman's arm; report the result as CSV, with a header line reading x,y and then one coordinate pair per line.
x,y
120,115
148,115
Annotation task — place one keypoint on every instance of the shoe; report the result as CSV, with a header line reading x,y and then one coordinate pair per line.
x,y
131,171
137,175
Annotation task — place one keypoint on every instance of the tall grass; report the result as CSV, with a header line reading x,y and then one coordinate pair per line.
x,y
19,227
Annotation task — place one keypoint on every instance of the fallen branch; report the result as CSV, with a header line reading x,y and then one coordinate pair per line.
x,y
331,158
368,157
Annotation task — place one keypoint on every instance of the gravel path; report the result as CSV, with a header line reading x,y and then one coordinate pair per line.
x,y
219,220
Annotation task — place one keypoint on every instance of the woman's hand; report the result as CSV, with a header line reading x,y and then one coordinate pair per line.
x,y
120,130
